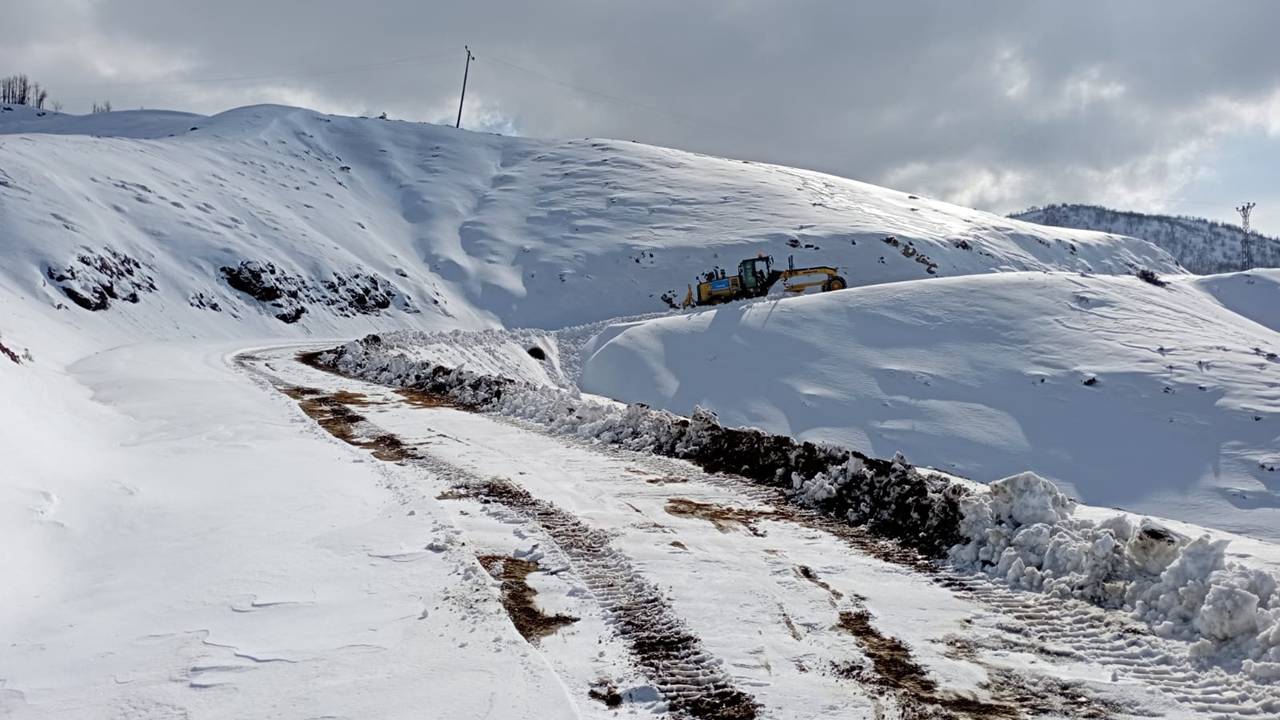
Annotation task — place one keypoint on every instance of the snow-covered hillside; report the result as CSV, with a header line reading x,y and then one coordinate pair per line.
x,y
199,525
1200,245
1161,400
174,224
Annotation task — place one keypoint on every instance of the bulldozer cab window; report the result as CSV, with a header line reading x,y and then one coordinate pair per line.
x,y
753,271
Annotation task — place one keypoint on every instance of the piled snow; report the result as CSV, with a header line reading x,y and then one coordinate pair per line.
x,y
530,356
1164,400
890,497
1200,245
1023,533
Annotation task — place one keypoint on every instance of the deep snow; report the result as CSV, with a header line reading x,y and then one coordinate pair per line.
x,y
189,543
986,376
448,228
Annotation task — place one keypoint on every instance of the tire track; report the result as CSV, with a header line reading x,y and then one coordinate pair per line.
x,y
1030,622
1053,628
1057,627
662,646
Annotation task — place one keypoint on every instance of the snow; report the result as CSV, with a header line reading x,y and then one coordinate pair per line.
x,y
985,376
731,585
1023,533
1019,530
467,230
189,544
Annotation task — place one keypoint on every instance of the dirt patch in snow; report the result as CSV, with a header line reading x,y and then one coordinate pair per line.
x,y
804,571
334,414
517,597
606,692
662,646
346,397
894,669
726,519
419,398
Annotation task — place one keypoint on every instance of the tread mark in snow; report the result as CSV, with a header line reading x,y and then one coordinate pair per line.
x,y
1036,623
668,653
1060,627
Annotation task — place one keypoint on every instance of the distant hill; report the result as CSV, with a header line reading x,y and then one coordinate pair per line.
x,y
1202,246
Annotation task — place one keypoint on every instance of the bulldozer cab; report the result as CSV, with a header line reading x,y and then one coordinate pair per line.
x,y
754,271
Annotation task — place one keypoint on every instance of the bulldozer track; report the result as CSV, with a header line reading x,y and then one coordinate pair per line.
x,y
692,680
1070,628
1055,628
661,645
668,653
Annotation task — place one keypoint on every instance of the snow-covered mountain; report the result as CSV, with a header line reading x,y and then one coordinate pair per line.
x,y
1161,399
174,223
1200,245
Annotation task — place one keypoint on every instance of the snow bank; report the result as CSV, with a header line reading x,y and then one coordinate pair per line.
x,y
1020,530
530,356
1023,533
890,497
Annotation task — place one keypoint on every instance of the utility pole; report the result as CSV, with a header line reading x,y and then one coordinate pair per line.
x,y
463,96
1246,245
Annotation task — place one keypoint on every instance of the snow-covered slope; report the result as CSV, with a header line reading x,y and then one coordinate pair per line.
x,y
183,541
1200,245
1161,400
192,224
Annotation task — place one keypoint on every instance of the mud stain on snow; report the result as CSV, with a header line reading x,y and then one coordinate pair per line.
x,y
517,597
662,646
333,413
893,669
725,519
807,573
346,397
422,399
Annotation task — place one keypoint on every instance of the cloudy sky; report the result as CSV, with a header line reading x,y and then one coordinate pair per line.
x,y
1169,106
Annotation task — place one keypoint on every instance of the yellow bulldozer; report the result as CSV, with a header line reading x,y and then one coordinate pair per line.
x,y
756,276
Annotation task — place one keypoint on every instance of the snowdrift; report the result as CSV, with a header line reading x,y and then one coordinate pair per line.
x,y
1158,399
161,224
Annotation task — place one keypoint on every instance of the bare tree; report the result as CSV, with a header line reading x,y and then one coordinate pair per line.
x,y
19,90
103,107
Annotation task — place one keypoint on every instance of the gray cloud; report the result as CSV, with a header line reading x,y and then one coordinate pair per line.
x,y
998,104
